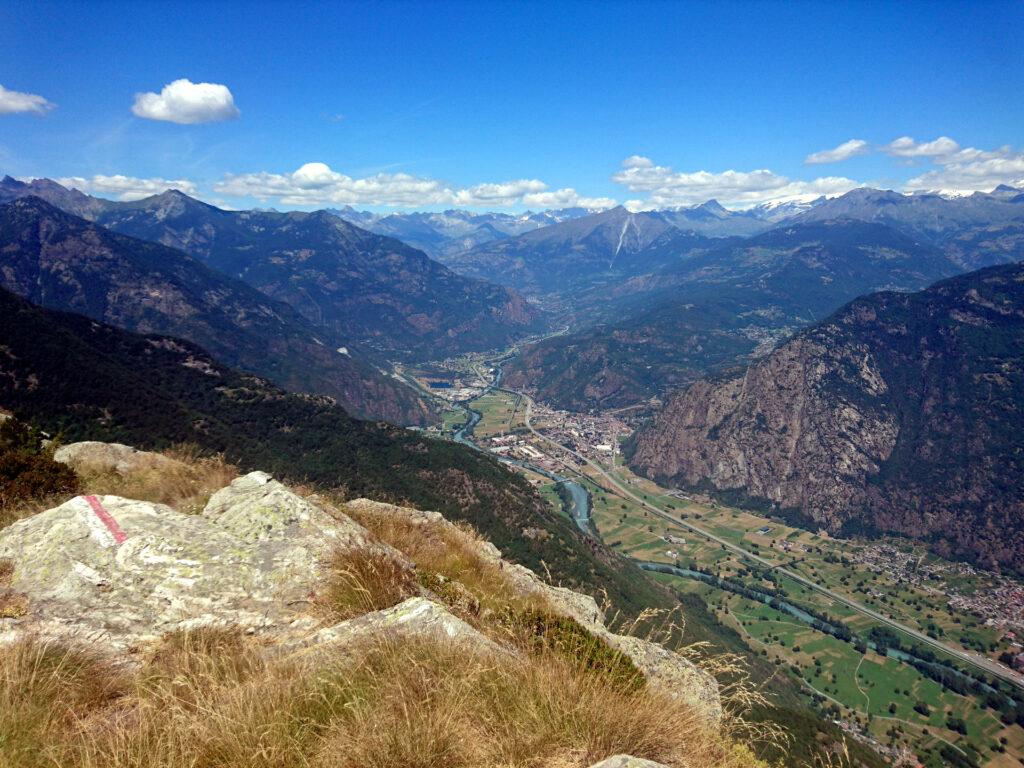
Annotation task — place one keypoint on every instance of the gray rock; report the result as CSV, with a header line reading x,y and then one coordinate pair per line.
x,y
670,673
416,617
111,456
125,571
627,761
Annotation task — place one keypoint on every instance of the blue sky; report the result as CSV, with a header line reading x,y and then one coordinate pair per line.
x,y
511,105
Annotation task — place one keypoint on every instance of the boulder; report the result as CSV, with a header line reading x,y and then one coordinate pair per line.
x,y
111,456
125,571
670,673
415,617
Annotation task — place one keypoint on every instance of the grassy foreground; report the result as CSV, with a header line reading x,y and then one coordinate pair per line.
x,y
215,697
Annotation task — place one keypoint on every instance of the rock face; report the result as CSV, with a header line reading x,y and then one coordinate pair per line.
x,y
901,412
777,432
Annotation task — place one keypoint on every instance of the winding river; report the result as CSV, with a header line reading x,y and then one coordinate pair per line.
x,y
579,499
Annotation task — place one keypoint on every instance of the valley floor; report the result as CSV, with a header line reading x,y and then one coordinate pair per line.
x,y
962,616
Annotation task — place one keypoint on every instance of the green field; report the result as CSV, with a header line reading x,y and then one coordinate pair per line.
x,y
500,413
860,687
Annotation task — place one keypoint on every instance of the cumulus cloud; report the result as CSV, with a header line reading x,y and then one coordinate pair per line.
x,y
972,171
318,184
503,194
186,103
16,102
667,188
846,150
959,169
907,147
127,187
566,198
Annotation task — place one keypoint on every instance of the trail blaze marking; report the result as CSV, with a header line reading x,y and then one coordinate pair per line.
x,y
107,520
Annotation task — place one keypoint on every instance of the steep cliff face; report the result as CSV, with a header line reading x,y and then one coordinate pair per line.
x,y
901,412
707,309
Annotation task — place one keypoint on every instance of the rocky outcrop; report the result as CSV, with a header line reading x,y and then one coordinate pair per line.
x,y
121,573
115,457
901,412
415,617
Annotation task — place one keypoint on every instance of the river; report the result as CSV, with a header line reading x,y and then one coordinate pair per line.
x,y
579,499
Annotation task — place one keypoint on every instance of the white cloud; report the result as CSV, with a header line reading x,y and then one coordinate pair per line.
x,y
127,187
960,169
503,194
972,172
846,150
186,103
15,102
667,188
317,184
907,147
566,198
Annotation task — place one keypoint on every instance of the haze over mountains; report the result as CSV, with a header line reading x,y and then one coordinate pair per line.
x,y
452,231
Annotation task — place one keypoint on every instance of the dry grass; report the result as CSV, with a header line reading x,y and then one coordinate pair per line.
x,y
213,697
12,513
185,483
46,695
359,581
448,562
208,699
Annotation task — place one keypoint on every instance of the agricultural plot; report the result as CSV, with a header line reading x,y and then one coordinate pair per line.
x,y
500,413
864,688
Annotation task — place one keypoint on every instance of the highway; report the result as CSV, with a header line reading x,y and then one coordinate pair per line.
x,y
975,660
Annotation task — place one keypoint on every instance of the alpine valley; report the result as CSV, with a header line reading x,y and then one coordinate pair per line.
x,y
793,428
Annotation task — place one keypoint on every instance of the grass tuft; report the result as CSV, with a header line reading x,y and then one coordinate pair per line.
x,y
184,483
363,580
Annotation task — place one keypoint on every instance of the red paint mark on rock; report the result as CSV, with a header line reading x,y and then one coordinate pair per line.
x,y
107,519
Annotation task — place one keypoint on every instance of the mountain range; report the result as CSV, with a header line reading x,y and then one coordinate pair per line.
x,y
901,412
977,230
64,262
368,290
449,232
711,307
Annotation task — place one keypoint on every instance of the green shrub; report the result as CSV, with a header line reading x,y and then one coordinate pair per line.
x,y
27,470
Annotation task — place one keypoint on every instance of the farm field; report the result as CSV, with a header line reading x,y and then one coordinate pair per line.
x,y
856,688
500,413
